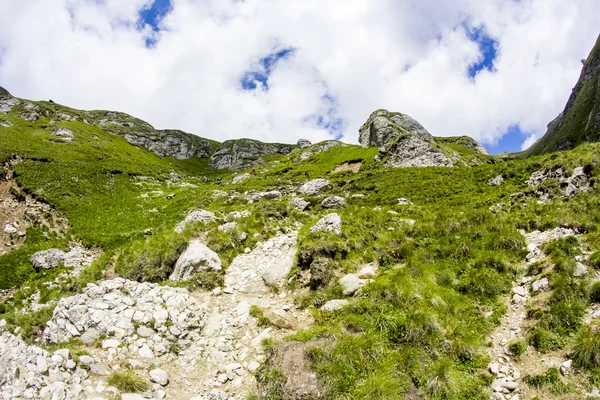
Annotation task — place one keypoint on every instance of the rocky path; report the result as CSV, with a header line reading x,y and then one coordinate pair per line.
x,y
503,366
200,345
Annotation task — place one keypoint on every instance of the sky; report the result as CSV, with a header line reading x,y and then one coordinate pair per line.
x,y
496,70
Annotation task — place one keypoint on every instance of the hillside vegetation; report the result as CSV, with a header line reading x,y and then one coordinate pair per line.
x,y
448,255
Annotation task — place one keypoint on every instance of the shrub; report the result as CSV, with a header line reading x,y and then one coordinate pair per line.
x,y
128,382
544,340
586,349
257,313
518,348
550,381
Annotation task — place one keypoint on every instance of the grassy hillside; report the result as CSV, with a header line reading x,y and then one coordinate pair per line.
x,y
421,327
580,121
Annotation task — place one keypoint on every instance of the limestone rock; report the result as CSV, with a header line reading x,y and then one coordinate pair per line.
x,y
237,155
47,259
541,285
368,271
383,127
333,202
304,143
159,376
203,216
270,195
497,181
197,257
329,223
315,187
333,305
299,203
7,104
411,151
240,178
580,270
228,226
351,283
64,134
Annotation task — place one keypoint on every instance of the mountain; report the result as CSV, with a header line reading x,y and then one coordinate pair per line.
x,y
579,122
136,263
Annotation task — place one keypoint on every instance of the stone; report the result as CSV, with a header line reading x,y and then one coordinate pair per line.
x,y
541,285
229,226
333,202
202,216
145,352
253,366
315,187
240,154
240,178
279,319
145,332
197,257
99,369
333,305
42,364
86,360
368,271
90,336
270,195
132,396
403,202
64,134
240,214
565,367
411,151
159,376
329,223
299,203
497,181
47,259
110,344
520,290
580,270
494,368
304,143
384,127
351,283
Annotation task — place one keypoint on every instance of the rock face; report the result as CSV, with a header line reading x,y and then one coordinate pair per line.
x,y
411,151
383,127
315,187
402,140
197,257
52,258
578,181
579,122
65,134
237,155
304,143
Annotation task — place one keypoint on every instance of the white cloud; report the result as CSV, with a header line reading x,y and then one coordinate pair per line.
x,y
401,55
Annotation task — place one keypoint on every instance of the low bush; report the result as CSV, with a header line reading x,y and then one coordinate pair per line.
x,y
550,381
128,382
586,349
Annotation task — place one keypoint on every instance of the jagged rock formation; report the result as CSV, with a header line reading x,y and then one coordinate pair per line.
x,y
579,122
245,153
316,148
404,141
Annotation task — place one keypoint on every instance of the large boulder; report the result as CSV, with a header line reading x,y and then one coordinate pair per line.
x,y
315,187
329,223
197,257
333,202
47,259
304,143
383,127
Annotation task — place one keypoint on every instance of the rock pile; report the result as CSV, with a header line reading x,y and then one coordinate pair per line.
x,y
143,319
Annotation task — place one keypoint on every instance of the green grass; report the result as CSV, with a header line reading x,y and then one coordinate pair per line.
x,y
586,349
422,325
128,382
550,381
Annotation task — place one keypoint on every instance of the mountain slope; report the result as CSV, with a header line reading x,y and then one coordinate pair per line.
x,y
579,122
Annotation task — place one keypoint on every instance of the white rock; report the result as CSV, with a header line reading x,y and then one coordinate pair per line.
x,y
197,257
351,283
333,305
86,360
315,187
110,344
580,270
329,223
253,366
145,352
368,271
159,376
240,178
299,203
203,216
540,285
333,202
520,290
42,364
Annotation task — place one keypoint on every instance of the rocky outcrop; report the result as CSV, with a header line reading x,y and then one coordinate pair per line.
x,y
412,151
172,143
4,92
403,141
572,184
237,155
304,143
496,181
579,122
64,134
317,148
76,257
299,203
383,127
333,202
197,257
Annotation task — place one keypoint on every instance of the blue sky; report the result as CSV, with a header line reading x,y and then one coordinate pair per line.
x,y
496,71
